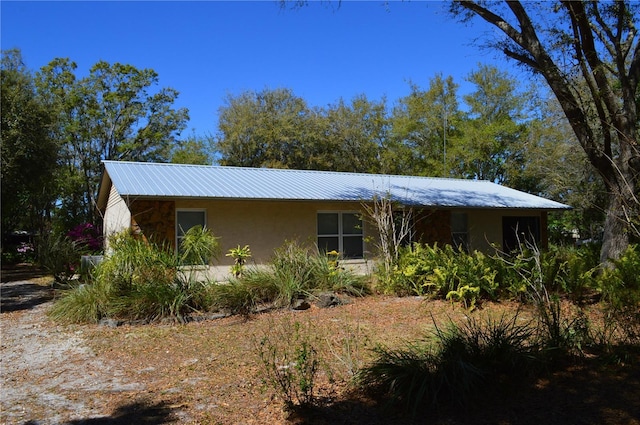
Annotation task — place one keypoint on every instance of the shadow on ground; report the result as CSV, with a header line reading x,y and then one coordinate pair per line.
x,y
586,392
19,292
20,272
139,412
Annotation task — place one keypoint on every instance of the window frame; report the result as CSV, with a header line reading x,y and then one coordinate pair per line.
x,y
460,238
341,235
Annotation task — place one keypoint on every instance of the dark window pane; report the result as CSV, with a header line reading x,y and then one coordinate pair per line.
x,y
458,222
519,230
189,219
351,224
328,244
327,224
352,247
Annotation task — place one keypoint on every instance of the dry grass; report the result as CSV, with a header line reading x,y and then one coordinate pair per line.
x,y
211,369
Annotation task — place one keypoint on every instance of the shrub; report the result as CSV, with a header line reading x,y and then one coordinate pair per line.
x,y
87,237
293,273
560,330
240,257
139,280
84,303
59,255
620,288
455,367
199,246
444,273
236,296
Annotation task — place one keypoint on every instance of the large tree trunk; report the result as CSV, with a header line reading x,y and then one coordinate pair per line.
x,y
615,238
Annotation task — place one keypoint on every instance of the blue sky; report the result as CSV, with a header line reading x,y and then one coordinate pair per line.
x,y
209,49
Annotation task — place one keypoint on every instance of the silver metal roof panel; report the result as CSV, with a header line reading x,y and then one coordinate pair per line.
x,y
199,181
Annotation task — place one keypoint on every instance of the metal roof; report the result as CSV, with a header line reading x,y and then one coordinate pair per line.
x,y
198,181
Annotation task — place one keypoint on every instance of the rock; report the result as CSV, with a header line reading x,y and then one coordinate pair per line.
x,y
327,299
108,322
300,304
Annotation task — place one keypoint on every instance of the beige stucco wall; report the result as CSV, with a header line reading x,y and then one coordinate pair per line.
x,y
267,225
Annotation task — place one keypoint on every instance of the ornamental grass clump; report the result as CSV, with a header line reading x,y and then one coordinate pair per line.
x,y
293,273
456,367
138,280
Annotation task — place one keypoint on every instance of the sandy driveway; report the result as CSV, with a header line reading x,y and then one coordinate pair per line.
x,y
49,375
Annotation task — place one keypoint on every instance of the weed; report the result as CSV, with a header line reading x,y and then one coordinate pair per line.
x,y
290,362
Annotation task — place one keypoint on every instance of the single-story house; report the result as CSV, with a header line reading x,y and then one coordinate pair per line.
x,y
264,208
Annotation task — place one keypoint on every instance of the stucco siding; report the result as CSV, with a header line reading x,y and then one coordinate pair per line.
x,y
267,225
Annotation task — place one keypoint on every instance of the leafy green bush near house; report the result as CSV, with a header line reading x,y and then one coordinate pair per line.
x,y
140,280
446,273
293,273
443,273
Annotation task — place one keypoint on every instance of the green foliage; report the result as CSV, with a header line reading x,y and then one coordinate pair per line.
x,y
240,257
460,277
241,296
560,331
276,128
491,141
443,272
113,113
293,273
422,124
138,280
29,153
620,284
620,288
59,255
81,304
290,362
455,367
193,150
199,246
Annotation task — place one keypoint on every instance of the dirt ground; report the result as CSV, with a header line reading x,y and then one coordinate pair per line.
x,y
209,372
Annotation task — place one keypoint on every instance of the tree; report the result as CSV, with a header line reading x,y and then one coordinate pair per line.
x,y
276,128
351,135
109,115
421,124
193,150
490,141
589,55
263,129
556,167
29,152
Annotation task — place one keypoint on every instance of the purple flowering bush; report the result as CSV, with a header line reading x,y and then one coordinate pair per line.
x,y
87,238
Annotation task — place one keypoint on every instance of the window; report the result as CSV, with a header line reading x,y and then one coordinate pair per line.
x,y
185,220
341,232
459,231
519,230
